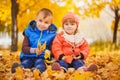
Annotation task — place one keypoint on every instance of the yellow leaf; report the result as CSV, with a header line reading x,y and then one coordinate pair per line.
x,y
19,74
42,47
36,74
47,54
59,75
83,76
76,76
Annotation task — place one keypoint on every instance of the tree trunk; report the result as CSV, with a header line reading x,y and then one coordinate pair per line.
x,y
116,25
14,11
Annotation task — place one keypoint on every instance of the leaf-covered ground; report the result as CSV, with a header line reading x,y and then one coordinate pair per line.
x,y
106,60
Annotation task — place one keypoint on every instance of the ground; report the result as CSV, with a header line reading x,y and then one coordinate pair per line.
x,y
106,60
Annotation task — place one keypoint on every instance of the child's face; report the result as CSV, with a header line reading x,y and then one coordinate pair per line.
x,y
70,27
43,22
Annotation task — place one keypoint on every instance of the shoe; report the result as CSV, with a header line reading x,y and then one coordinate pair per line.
x,y
56,66
92,67
32,69
14,66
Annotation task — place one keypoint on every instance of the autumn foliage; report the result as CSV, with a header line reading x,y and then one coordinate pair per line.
x,y
29,8
107,61
106,58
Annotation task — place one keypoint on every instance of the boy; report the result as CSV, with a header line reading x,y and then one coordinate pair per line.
x,y
37,38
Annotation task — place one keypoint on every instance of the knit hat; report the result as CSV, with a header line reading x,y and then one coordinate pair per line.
x,y
72,16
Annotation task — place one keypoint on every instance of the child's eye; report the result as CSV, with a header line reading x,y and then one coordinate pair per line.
x,y
46,22
66,24
72,23
40,20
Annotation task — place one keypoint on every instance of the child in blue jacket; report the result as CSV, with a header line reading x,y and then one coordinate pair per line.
x,y
38,37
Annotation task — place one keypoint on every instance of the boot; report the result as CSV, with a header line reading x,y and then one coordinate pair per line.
x,y
92,67
56,66
14,66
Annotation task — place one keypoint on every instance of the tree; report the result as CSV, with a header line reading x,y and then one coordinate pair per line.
x,y
29,8
117,18
26,12
94,7
14,10
115,7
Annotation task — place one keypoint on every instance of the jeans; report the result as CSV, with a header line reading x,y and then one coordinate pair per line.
x,y
75,64
28,62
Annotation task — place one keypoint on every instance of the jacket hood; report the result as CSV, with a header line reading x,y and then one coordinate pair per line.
x,y
32,25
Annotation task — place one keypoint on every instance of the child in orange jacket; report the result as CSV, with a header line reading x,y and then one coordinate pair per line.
x,y
70,48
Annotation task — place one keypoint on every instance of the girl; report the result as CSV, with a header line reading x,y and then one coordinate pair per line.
x,y
69,48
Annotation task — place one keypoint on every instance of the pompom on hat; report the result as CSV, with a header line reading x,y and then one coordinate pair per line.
x,y
71,16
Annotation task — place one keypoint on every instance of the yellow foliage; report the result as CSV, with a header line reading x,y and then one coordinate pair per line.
x,y
117,2
59,75
83,76
47,54
29,8
47,57
36,74
41,47
19,74
107,61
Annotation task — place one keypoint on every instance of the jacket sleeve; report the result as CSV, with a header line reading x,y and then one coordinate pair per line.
x,y
26,45
57,48
84,49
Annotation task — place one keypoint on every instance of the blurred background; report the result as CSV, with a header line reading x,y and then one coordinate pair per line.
x,y
99,23
99,19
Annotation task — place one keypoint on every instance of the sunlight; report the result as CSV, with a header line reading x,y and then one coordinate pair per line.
x,y
28,11
59,2
79,3
5,40
81,12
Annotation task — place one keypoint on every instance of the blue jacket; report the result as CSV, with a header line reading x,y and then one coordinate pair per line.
x,y
34,35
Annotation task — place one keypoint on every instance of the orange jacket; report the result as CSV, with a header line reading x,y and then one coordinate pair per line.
x,y
61,46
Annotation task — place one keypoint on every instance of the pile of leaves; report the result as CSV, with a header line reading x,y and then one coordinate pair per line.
x,y
107,62
6,60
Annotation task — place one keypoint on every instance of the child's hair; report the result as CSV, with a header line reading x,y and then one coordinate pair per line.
x,y
46,12
71,18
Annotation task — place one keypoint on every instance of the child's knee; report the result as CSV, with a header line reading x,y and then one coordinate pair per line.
x,y
41,67
78,63
39,61
40,64
26,64
63,64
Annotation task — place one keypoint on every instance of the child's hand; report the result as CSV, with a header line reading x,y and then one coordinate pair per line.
x,y
67,59
63,58
47,54
76,57
38,51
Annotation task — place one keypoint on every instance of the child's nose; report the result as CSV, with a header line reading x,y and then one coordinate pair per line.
x,y
42,23
69,25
